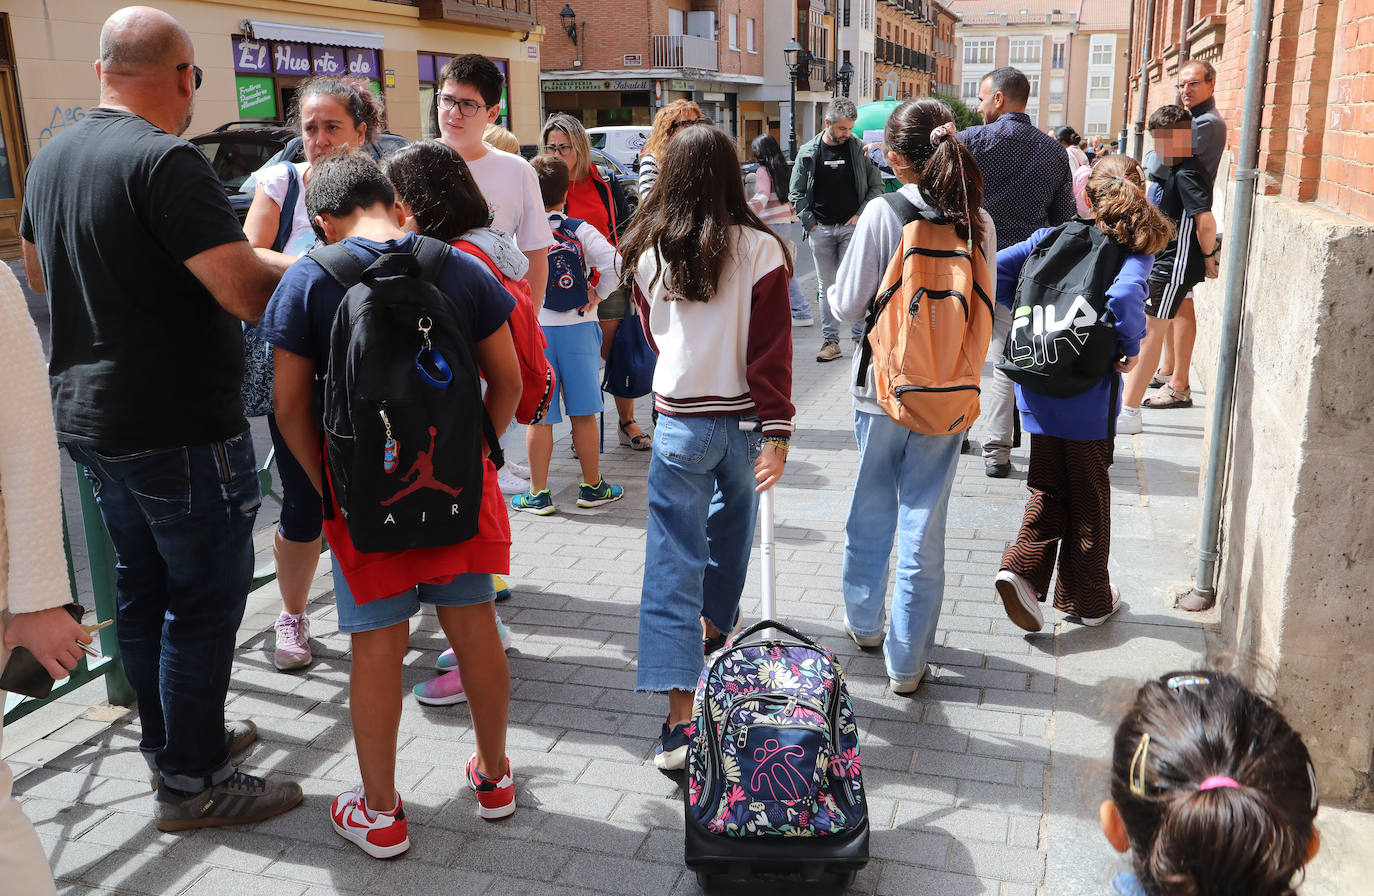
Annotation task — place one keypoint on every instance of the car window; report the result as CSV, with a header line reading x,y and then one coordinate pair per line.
x,y
598,141
235,160
605,161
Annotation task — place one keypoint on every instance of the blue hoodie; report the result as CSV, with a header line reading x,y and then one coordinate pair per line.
x,y
1084,417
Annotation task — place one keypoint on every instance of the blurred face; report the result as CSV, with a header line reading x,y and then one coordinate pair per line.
x,y
1173,145
463,114
1193,87
326,126
839,131
990,102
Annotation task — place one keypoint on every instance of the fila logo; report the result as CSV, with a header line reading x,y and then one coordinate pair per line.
x,y
1041,345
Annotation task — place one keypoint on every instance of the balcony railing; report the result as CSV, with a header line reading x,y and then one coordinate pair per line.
x,y
685,51
492,13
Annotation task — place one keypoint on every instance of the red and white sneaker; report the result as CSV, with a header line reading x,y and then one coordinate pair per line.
x,y
495,798
379,834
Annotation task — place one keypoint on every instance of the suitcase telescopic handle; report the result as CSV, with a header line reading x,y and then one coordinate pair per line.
x,y
769,569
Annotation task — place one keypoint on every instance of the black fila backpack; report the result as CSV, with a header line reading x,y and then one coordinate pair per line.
x,y
403,413
1063,338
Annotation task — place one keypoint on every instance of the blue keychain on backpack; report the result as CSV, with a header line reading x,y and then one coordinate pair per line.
x,y
443,374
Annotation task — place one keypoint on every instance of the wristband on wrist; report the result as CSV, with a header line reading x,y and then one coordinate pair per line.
x,y
1213,253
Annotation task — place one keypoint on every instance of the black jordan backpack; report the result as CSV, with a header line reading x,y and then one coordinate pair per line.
x,y
403,413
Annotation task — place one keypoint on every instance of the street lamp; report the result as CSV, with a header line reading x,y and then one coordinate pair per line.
x,y
798,62
569,20
842,78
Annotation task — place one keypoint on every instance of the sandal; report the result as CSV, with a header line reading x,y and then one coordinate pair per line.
x,y
1159,379
1169,397
641,442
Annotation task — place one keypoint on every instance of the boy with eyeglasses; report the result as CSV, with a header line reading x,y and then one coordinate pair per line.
x,y
469,99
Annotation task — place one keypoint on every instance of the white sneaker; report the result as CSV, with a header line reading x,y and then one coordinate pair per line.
x,y
293,642
807,321
906,687
1128,422
1019,600
517,468
510,483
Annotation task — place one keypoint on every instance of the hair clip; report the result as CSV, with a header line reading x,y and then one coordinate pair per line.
x,y
1136,772
945,130
1217,781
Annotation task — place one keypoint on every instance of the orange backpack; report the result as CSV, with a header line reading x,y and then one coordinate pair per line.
x,y
928,327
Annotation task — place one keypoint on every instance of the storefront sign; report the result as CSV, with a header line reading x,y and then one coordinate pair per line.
x,y
251,56
391,77
682,85
291,59
575,86
328,61
362,63
256,98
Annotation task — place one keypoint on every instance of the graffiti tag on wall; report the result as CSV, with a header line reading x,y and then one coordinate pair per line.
x,y
61,118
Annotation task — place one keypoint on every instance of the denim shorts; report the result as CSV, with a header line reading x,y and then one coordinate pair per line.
x,y
466,590
574,352
302,510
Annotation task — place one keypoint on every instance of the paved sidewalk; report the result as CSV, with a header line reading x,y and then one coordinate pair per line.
x,y
986,782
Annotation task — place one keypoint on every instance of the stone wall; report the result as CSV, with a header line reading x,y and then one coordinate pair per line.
x,y
1298,524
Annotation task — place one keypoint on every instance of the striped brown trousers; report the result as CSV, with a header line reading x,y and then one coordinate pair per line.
x,y
1068,515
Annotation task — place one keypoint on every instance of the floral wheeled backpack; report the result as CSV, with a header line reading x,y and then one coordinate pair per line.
x,y
774,748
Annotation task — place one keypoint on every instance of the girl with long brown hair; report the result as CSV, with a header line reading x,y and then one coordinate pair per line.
x,y
1069,511
905,477
710,282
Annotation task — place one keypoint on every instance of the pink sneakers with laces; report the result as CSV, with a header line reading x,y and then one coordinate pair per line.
x,y
293,642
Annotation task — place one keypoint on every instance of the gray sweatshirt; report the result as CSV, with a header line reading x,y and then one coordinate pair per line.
x,y
876,238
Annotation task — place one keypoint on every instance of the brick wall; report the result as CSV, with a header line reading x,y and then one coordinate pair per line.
x,y
1317,134
607,30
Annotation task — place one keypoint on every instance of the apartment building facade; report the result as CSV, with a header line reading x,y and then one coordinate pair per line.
x,y
1071,52
855,35
905,49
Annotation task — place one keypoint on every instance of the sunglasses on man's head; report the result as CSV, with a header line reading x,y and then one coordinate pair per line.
x,y
684,122
200,75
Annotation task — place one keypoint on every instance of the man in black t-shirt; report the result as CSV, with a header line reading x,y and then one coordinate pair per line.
x,y
127,229
832,180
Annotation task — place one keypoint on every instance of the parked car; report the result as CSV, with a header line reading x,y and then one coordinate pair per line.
x,y
239,148
621,142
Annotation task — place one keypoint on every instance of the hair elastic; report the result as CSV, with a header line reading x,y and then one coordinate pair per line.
x,y
1136,772
945,130
1217,781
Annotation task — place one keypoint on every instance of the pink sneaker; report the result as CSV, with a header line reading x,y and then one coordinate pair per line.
x,y
495,798
445,690
293,642
379,834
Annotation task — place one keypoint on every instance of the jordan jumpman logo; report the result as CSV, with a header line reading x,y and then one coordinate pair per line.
x,y
423,473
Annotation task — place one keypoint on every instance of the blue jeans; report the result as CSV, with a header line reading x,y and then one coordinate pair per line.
x,y
905,479
702,506
181,521
792,230
829,242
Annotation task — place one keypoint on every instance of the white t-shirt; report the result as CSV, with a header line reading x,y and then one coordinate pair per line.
x,y
512,190
274,182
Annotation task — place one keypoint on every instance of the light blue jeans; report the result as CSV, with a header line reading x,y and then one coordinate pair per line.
x,y
829,242
702,506
905,479
801,307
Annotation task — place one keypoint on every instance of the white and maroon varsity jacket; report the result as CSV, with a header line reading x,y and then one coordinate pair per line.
x,y
731,356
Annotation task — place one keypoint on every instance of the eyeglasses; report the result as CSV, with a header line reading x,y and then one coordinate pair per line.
x,y
466,108
684,122
1184,85
562,149
200,75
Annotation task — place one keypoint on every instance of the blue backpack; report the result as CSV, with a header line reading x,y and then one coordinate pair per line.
x,y
570,282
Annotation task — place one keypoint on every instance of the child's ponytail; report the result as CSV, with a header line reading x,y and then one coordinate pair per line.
x,y
922,133
1215,789
1122,208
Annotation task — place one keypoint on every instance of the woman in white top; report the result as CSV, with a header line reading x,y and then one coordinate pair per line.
x,y
771,182
1069,137
33,567
334,114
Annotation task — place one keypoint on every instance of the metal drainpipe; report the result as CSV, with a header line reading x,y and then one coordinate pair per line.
x,y
1126,93
1144,80
1204,592
1185,44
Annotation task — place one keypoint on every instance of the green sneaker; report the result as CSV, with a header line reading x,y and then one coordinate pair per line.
x,y
601,493
540,503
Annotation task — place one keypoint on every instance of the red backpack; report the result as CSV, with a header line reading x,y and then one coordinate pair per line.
x,y
536,374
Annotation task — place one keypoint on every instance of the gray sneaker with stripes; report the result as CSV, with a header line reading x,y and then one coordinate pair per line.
x,y
239,799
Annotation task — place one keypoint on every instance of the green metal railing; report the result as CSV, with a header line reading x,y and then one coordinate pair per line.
x,y
102,572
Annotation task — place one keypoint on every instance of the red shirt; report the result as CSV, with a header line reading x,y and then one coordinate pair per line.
x,y
586,201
